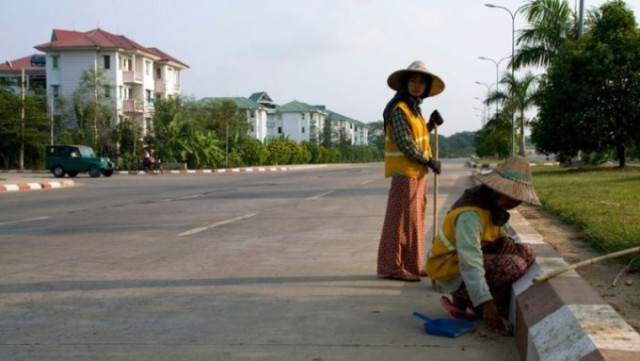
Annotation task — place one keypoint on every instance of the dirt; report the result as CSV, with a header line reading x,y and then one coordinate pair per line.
x,y
624,297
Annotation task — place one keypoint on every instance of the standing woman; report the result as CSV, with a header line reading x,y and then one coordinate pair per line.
x,y
407,161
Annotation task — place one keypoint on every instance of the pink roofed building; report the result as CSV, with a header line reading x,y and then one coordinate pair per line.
x,y
34,73
136,75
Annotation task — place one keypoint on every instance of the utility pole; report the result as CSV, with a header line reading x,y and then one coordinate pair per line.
x,y
581,18
22,90
51,115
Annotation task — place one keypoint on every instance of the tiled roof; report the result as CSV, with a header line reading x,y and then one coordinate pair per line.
x,y
296,106
256,97
336,116
164,56
64,39
22,63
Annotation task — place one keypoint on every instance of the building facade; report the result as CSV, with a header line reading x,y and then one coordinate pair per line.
x,y
298,121
136,75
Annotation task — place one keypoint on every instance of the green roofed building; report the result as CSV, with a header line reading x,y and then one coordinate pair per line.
x,y
296,120
299,121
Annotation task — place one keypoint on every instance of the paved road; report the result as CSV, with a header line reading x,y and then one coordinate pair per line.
x,y
268,266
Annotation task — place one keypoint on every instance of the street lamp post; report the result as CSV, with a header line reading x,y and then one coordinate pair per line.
x,y
486,108
497,64
488,90
513,51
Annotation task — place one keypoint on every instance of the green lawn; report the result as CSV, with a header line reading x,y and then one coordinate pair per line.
x,y
603,201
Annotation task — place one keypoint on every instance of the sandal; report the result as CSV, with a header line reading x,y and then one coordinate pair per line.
x,y
408,277
454,311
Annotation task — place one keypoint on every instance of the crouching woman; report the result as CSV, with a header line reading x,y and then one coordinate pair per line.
x,y
472,257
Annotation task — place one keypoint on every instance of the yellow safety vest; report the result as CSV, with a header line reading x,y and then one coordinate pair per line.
x,y
442,261
395,162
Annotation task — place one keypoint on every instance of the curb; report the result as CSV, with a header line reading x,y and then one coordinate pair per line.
x,y
229,170
31,186
564,318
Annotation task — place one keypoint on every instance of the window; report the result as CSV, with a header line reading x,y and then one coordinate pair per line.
x,y
253,114
54,62
121,92
107,62
279,130
55,90
302,130
148,95
302,116
158,73
147,67
107,92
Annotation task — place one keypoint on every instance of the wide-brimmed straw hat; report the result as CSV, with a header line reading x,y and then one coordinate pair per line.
x,y
417,67
511,178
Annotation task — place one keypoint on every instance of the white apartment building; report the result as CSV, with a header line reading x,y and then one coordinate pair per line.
x,y
298,121
356,132
137,75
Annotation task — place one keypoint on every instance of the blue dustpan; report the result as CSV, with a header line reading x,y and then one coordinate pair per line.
x,y
444,326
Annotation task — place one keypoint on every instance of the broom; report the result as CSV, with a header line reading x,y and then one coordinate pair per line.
x,y
546,276
435,195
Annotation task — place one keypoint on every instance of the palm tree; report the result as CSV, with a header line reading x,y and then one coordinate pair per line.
x,y
552,22
517,97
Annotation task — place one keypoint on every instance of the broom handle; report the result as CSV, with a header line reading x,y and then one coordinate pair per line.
x,y
546,276
435,185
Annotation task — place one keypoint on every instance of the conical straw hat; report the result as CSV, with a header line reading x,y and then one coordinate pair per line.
x,y
395,79
511,178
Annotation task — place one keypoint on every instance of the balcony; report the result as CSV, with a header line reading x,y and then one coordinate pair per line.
x,y
133,106
132,77
159,86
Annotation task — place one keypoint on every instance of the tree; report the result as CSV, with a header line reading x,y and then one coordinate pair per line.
x,y
33,131
94,108
493,140
518,97
589,99
171,122
551,25
376,135
223,117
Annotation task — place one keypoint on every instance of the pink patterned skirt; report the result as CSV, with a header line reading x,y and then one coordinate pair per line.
x,y
401,248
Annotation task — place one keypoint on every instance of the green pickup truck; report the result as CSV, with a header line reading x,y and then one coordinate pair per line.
x,y
74,159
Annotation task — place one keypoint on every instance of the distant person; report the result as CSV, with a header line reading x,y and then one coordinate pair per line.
x,y
473,258
148,161
407,161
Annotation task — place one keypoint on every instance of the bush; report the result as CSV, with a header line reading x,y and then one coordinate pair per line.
x,y
253,152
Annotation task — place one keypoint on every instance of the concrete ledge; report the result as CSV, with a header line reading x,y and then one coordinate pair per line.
x,y
564,318
31,186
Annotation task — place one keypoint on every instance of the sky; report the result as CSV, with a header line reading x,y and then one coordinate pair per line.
x,y
336,53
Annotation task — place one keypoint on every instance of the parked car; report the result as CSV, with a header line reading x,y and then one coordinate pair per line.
x,y
74,159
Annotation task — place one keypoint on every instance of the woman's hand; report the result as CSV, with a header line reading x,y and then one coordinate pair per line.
x,y
493,320
507,246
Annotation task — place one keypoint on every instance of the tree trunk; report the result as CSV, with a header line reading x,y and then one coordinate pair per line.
x,y
523,150
622,156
